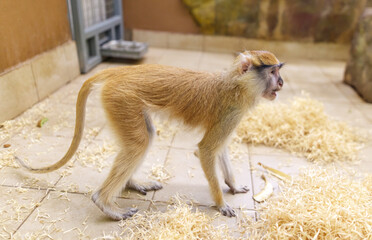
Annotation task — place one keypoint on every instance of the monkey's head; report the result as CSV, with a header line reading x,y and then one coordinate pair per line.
x,y
266,68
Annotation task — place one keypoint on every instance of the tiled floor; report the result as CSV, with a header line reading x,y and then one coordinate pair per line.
x,y
58,204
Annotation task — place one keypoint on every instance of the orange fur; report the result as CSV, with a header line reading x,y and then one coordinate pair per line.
x,y
216,102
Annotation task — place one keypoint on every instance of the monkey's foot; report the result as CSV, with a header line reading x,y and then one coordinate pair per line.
x,y
227,211
115,214
143,188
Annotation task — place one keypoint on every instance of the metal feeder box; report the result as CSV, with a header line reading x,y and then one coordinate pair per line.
x,y
124,49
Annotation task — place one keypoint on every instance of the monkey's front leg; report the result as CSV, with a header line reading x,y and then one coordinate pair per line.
x,y
208,162
228,173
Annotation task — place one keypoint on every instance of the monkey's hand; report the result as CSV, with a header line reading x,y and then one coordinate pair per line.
x,y
241,189
227,211
234,189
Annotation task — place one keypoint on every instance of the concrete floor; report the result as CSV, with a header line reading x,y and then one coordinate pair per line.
x,y
58,204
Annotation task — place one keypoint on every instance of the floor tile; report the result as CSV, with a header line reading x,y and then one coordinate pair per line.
x,y
16,204
61,120
366,109
290,165
347,112
365,156
92,168
327,92
72,216
349,92
333,70
260,149
190,180
37,153
304,74
154,55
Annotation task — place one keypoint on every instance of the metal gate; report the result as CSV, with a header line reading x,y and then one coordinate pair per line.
x,y
97,27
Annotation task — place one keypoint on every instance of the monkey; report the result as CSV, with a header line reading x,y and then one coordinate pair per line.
x,y
214,102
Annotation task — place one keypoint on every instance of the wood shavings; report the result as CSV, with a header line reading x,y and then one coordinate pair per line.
x,y
41,217
23,124
165,129
236,151
66,172
90,189
7,158
180,221
322,203
96,156
14,210
72,187
279,174
20,189
92,133
64,196
301,128
159,173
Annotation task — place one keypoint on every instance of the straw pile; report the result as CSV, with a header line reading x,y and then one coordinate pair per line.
x,y
303,129
322,203
178,222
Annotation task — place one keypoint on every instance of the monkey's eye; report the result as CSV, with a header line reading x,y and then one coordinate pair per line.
x,y
273,71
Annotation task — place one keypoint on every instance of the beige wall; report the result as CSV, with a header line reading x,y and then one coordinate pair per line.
x,y
30,27
158,15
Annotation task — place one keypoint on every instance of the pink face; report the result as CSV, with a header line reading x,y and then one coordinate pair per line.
x,y
274,81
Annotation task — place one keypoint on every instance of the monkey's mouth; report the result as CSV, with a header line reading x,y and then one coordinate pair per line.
x,y
273,92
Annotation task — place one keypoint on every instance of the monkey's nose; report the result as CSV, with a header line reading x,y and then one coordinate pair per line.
x,y
280,82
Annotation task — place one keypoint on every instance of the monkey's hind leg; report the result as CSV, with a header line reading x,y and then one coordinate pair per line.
x,y
144,187
121,170
135,139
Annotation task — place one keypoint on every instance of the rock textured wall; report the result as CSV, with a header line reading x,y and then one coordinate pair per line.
x,y
358,72
306,20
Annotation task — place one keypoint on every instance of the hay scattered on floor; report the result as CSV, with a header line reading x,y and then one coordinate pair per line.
x,y
7,158
302,128
96,156
15,206
165,129
322,203
180,221
159,173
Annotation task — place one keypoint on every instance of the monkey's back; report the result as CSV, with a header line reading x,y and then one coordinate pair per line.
x,y
185,94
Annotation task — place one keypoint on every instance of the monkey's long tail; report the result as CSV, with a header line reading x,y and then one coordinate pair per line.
x,y
79,128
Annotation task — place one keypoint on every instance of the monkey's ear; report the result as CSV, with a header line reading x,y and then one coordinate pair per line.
x,y
245,63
